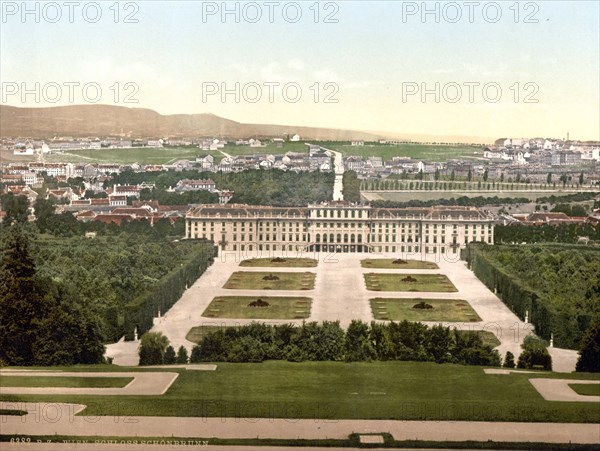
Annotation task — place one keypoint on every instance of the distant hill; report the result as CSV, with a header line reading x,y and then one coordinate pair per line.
x,y
108,120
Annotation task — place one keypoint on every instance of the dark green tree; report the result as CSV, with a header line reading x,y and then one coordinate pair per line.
x,y
589,350
152,348
358,347
509,360
43,209
22,302
182,355
16,207
170,357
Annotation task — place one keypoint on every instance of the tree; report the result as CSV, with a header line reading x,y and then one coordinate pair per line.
x,y
21,300
436,176
452,175
581,178
358,347
43,209
16,207
169,358
42,321
152,348
182,355
549,178
509,360
485,175
469,175
589,350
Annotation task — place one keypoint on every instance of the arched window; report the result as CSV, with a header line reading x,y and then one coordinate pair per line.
x,y
352,239
360,238
339,237
324,238
345,237
318,238
331,238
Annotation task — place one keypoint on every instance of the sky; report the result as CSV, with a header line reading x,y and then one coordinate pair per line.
x,y
488,69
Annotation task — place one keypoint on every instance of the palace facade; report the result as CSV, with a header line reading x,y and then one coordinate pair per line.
x,y
339,227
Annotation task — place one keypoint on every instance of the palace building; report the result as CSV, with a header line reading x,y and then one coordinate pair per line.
x,y
339,227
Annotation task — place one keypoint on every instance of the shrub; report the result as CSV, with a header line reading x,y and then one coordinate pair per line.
x,y
152,348
182,355
169,358
509,360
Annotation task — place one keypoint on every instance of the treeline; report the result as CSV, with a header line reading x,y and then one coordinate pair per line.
x,y
351,186
562,233
558,286
257,186
312,341
109,272
43,321
463,201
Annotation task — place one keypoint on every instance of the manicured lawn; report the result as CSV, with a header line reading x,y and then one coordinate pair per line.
x,y
586,389
197,334
64,381
240,280
238,307
409,282
388,263
280,262
443,310
336,390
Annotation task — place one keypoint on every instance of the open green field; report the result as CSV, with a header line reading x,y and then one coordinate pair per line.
x,y
280,262
140,155
443,310
64,381
240,280
388,263
416,151
269,149
337,390
238,307
586,389
409,282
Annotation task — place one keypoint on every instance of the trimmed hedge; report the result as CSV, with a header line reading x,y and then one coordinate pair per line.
x,y
549,313
143,309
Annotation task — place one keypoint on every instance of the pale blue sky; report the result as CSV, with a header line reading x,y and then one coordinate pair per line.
x,y
368,54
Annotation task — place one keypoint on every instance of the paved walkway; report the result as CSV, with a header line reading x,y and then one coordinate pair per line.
x,y
143,383
559,390
287,429
340,294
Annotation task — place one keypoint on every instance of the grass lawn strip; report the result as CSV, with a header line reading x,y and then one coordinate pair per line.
x,y
241,280
418,283
325,390
280,263
403,309
586,389
239,307
64,381
388,263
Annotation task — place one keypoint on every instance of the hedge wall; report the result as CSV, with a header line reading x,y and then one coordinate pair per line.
x,y
514,293
141,311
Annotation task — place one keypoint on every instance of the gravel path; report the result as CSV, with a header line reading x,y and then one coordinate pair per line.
x,y
143,383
